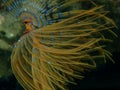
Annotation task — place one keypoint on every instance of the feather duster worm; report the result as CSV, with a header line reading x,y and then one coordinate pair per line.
x,y
50,57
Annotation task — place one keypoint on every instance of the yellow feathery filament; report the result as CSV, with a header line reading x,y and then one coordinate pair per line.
x,y
50,57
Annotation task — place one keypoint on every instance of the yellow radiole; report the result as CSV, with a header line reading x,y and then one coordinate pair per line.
x,y
63,46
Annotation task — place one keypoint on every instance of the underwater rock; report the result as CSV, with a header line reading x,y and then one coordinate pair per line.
x,y
10,30
5,69
1,19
